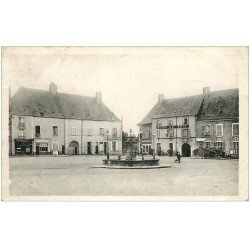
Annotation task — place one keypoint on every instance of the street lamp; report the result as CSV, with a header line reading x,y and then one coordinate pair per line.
x,y
107,144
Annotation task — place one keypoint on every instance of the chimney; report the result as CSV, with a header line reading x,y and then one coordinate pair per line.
x,y
206,90
160,97
53,88
98,96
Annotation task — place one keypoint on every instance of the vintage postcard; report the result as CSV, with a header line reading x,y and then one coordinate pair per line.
x,y
125,123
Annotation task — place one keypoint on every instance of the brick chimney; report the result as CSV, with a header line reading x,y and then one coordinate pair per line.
x,y
206,90
98,97
53,88
160,97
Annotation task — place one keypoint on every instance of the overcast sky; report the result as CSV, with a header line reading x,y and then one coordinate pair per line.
x,y
130,79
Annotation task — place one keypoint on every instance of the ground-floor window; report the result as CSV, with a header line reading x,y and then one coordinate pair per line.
x,y
207,144
43,147
219,145
171,146
201,144
236,147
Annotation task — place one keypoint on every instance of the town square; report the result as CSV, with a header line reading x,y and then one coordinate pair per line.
x,y
99,139
86,176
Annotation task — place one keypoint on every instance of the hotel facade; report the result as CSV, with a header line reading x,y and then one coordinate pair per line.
x,y
209,120
48,122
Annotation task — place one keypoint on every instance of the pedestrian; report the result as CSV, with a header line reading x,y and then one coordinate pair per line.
x,y
178,157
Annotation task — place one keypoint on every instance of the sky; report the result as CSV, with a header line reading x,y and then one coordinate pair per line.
x,y
130,78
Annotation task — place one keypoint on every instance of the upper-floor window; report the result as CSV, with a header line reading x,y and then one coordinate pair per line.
x,y
185,121
115,131
219,130
101,131
170,133
55,130
37,131
89,131
73,131
158,133
184,132
206,130
158,123
170,122
235,129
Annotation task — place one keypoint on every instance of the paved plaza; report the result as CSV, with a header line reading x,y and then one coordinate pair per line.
x,y
85,176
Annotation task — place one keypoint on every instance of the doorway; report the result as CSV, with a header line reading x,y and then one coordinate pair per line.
x,y
96,148
74,145
37,149
186,150
89,148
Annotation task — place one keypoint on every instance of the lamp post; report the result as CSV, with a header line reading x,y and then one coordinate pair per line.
x,y
107,144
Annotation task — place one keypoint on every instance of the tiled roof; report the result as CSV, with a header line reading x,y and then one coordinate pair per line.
x,y
174,107
214,105
41,103
220,105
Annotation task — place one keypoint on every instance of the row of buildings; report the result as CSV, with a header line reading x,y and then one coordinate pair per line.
x,y
209,120
49,122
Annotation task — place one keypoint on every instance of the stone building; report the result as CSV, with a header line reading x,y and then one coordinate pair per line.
x,y
184,124
49,122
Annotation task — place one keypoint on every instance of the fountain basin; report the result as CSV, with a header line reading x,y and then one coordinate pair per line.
x,y
131,163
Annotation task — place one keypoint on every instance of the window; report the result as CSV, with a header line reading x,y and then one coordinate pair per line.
x,y
145,134
235,129
37,131
219,130
203,131
55,130
184,132
219,145
201,144
114,146
115,131
43,147
170,133
236,147
208,129
171,146
158,123
170,122
89,131
146,148
73,131
101,131
158,133
207,144
185,121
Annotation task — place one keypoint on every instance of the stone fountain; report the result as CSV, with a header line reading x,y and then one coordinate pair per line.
x,y
131,159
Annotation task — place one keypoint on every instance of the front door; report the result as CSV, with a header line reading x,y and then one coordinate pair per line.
x,y
186,150
37,150
89,148
96,149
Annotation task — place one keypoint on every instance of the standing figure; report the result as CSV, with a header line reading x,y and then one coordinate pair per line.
x,y
178,157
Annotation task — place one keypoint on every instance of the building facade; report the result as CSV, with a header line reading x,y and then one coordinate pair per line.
x,y
210,120
48,122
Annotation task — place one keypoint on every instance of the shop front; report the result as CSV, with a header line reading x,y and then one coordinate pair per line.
x,y
23,146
